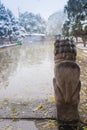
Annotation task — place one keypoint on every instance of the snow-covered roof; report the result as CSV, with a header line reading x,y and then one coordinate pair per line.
x,y
37,34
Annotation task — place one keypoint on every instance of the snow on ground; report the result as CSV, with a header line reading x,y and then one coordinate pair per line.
x,y
81,46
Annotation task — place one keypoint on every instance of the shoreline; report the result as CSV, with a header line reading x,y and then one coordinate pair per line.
x,y
7,45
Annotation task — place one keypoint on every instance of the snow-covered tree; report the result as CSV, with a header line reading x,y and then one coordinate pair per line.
x,y
13,30
4,21
32,23
8,24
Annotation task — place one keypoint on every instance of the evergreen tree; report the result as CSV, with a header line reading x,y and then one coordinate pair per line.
x,y
8,23
4,21
77,13
13,25
32,23
66,28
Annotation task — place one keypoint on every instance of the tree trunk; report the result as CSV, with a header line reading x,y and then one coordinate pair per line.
x,y
84,41
76,39
10,39
84,44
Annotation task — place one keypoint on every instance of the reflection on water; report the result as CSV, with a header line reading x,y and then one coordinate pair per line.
x,y
26,72
8,63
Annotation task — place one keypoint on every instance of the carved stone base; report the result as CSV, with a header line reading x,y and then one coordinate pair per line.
x,y
67,113
67,127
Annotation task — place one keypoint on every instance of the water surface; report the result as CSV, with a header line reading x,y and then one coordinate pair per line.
x,y
26,71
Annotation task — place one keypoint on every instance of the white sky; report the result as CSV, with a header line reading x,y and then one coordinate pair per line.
x,y
44,7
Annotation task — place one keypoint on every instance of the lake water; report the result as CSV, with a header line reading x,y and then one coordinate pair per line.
x,y
27,71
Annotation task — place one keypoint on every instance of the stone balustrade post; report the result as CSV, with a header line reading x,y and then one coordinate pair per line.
x,y
66,84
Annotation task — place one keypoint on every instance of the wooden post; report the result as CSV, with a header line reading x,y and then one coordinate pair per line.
x,y
66,84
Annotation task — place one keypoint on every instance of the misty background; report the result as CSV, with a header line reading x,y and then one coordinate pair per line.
x,y
19,18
